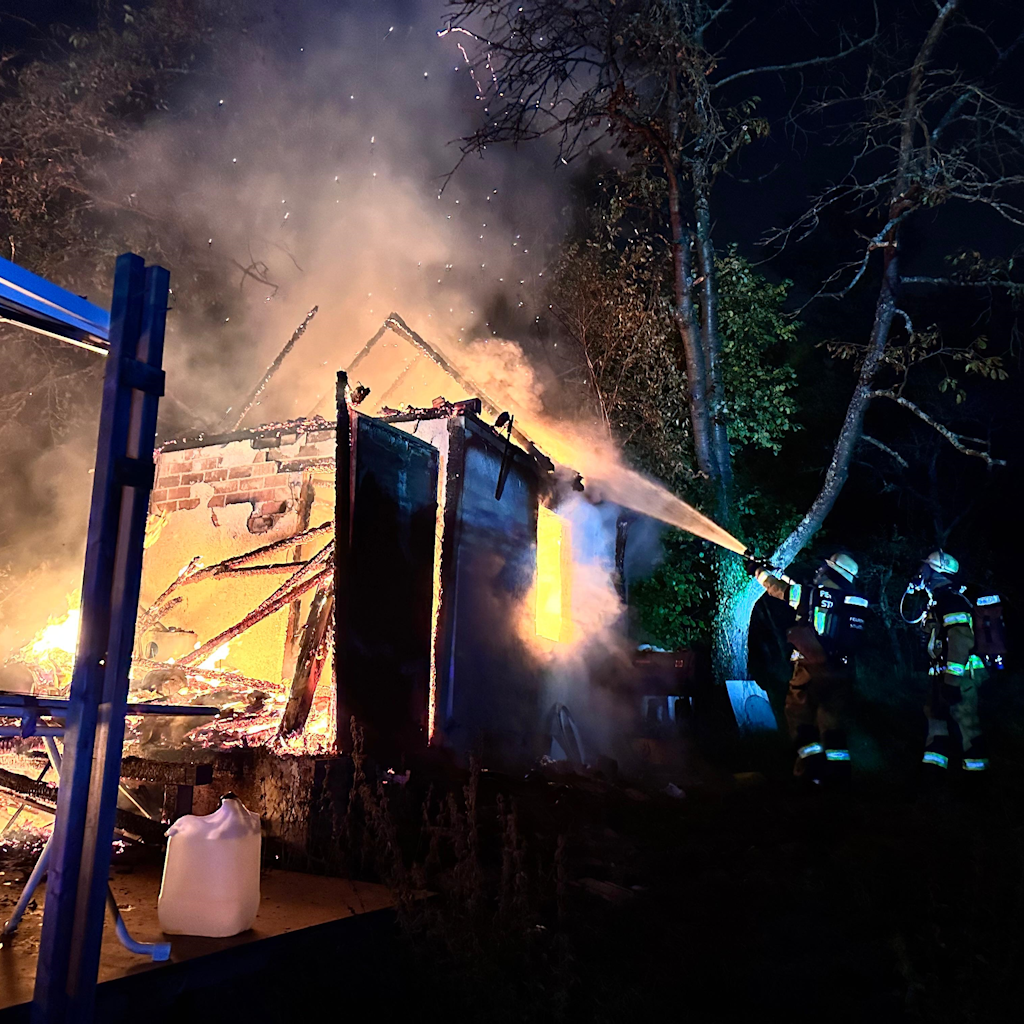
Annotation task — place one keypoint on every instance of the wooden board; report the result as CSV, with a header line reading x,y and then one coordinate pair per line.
x,y
290,901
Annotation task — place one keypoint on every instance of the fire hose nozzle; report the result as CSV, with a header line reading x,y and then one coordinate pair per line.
x,y
754,563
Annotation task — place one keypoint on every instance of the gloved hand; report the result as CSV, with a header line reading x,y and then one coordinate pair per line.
x,y
752,563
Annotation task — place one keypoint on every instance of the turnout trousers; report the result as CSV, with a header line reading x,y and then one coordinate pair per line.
x,y
955,698
816,705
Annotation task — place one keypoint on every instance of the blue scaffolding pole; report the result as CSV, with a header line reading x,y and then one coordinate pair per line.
x,y
79,864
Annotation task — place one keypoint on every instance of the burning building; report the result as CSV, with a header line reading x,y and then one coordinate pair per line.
x,y
419,570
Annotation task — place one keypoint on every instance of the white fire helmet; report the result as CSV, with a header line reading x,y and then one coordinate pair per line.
x,y
844,565
942,562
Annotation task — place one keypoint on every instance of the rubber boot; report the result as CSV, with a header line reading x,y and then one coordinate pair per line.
x,y
838,769
935,760
975,765
809,768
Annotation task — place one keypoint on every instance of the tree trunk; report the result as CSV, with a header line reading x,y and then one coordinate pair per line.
x,y
853,424
689,335
712,344
885,307
730,627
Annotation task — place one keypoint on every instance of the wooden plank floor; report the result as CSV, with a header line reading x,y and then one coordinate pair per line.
x,y
290,901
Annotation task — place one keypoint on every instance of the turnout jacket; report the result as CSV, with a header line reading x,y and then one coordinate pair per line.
x,y
814,653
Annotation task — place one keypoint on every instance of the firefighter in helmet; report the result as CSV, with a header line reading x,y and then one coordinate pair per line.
x,y
956,671
829,622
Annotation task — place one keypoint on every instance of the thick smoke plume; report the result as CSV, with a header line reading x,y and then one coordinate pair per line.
x,y
316,174
311,174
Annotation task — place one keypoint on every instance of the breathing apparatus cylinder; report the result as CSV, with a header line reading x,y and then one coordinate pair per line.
x,y
986,614
989,630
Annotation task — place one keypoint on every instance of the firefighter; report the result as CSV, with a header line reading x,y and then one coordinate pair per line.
x,y
829,621
956,671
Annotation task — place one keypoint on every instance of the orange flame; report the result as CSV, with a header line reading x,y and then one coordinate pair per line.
x,y
554,576
59,634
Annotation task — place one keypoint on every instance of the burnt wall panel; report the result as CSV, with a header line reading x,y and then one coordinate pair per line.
x,y
384,676
220,499
490,689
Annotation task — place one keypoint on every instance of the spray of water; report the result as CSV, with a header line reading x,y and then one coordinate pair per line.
x,y
605,476
629,489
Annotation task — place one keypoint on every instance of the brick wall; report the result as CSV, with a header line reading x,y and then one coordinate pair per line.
x,y
264,470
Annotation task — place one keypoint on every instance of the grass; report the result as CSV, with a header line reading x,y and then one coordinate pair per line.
x,y
570,899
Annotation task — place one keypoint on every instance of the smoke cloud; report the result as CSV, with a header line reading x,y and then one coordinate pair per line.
x,y
315,172
317,176
308,168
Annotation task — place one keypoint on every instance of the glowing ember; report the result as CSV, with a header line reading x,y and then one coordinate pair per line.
x,y
216,657
18,820
50,654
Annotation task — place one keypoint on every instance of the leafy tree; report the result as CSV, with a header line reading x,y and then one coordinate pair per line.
x,y
654,77
932,133
672,604
755,332
612,298
611,294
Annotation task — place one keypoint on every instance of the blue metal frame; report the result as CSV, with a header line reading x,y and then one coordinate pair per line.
x,y
80,861
33,302
30,709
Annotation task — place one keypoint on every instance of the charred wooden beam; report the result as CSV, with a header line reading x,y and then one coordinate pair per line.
x,y
307,495
441,410
38,793
273,569
367,348
310,661
167,773
309,575
400,327
192,573
272,369
43,797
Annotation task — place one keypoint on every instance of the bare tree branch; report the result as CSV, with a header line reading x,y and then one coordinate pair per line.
x,y
810,62
885,448
955,439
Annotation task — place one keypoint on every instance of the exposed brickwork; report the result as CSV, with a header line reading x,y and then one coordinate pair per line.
x,y
264,472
